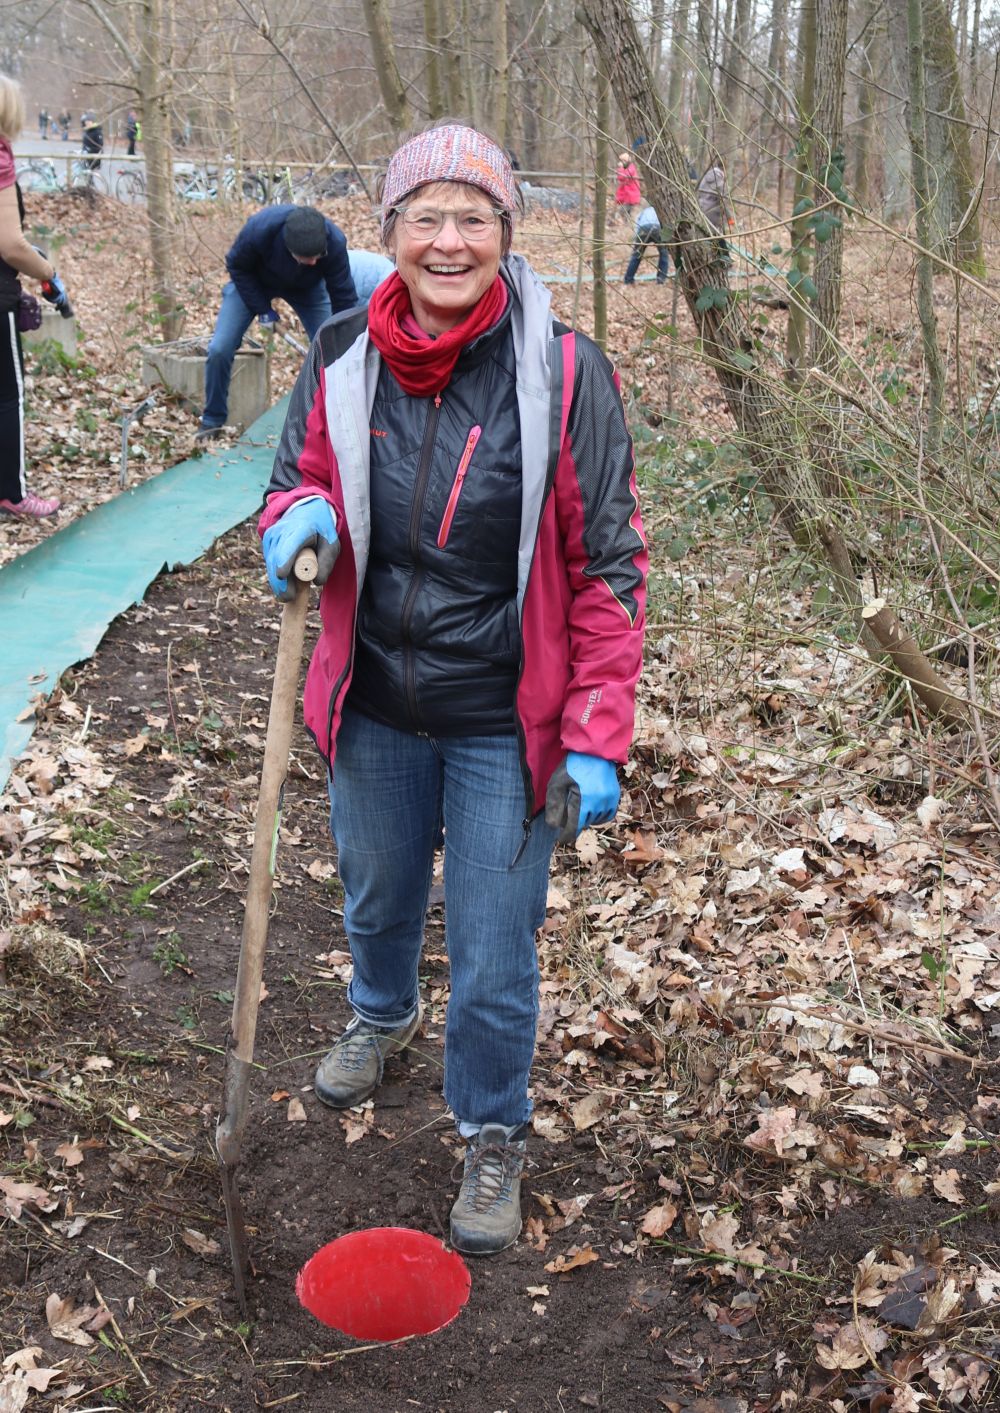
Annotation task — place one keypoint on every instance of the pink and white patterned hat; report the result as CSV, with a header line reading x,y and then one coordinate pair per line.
x,y
450,154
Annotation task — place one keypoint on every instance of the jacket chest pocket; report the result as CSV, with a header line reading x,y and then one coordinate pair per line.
x,y
454,495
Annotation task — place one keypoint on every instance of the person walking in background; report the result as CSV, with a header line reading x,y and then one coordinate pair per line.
x,y
482,622
93,142
368,270
65,118
17,258
627,194
711,194
43,124
284,252
131,131
647,232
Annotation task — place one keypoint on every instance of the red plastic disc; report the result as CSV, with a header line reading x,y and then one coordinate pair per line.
x,y
384,1284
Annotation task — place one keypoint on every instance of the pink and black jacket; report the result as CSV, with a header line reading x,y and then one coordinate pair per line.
x,y
565,640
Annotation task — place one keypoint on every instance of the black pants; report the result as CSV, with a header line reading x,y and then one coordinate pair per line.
x,y
12,486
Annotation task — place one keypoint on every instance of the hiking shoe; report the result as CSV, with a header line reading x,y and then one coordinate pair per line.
x,y
32,507
487,1215
208,434
353,1068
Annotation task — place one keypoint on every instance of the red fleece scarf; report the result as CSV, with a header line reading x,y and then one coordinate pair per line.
x,y
422,367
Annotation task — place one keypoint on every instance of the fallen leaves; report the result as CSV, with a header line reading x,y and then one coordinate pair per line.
x,y
574,1257
198,1243
70,1322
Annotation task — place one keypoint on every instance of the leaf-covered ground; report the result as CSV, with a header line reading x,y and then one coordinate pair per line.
x,y
766,1135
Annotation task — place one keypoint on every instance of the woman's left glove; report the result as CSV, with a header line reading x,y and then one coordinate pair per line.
x,y
307,524
584,790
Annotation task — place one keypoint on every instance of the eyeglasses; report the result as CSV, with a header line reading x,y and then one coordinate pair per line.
x,y
425,222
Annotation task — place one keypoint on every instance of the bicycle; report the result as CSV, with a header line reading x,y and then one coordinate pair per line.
x,y
130,185
87,178
39,175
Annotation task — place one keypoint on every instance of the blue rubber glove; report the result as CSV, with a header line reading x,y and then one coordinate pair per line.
x,y
268,319
306,524
55,292
584,790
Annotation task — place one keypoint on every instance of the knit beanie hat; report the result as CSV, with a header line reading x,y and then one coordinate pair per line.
x,y
305,232
450,154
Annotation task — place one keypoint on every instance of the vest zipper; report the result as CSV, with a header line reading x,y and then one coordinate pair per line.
x,y
456,490
416,512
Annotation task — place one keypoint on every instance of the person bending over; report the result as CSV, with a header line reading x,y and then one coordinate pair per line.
x,y
283,252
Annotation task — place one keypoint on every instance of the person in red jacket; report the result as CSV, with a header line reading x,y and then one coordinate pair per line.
x,y
461,464
627,193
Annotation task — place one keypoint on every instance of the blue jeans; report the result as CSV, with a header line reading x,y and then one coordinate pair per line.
x,y
648,235
392,793
312,307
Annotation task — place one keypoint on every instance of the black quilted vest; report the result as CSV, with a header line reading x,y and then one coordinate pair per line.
x,y
438,646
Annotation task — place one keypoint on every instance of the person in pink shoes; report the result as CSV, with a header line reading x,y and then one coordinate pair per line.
x,y
17,258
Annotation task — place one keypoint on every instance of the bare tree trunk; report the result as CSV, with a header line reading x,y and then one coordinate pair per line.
x,y
390,81
777,66
457,102
154,87
678,58
704,95
921,195
734,76
828,170
501,67
600,230
657,17
432,41
954,209
801,253
866,105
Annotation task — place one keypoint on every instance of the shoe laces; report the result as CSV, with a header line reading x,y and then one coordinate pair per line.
x,y
488,1171
353,1046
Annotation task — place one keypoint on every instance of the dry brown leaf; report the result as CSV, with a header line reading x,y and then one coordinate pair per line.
x,y
65,1322
200,1245
18,1195
946,1185
71,1155
588,846
279,1096
14,1392
575,1256
658,1220
806,1082
296,1110
589,1110
775,1126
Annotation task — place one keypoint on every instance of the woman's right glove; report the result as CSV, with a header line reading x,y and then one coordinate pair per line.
x,y
307,524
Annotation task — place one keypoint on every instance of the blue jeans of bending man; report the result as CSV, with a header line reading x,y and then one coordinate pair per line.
x,y
391,796
313,308
646,236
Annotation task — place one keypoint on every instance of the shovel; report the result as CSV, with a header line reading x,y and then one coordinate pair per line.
x,y
239,1046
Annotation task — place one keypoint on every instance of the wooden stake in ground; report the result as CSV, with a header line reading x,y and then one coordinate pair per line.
x,y
239,1047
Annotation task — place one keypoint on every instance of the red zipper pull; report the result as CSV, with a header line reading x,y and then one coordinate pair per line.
x,y
456,489
437,399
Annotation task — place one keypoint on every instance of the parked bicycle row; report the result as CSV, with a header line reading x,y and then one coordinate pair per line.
x,y
192,181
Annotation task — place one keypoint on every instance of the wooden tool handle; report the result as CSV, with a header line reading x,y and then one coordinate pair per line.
x,y
272,783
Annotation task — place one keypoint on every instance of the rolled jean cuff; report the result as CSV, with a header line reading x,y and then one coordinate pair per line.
x,y
386,1022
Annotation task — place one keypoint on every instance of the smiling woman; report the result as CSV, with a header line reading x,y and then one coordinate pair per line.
x,y
484,584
